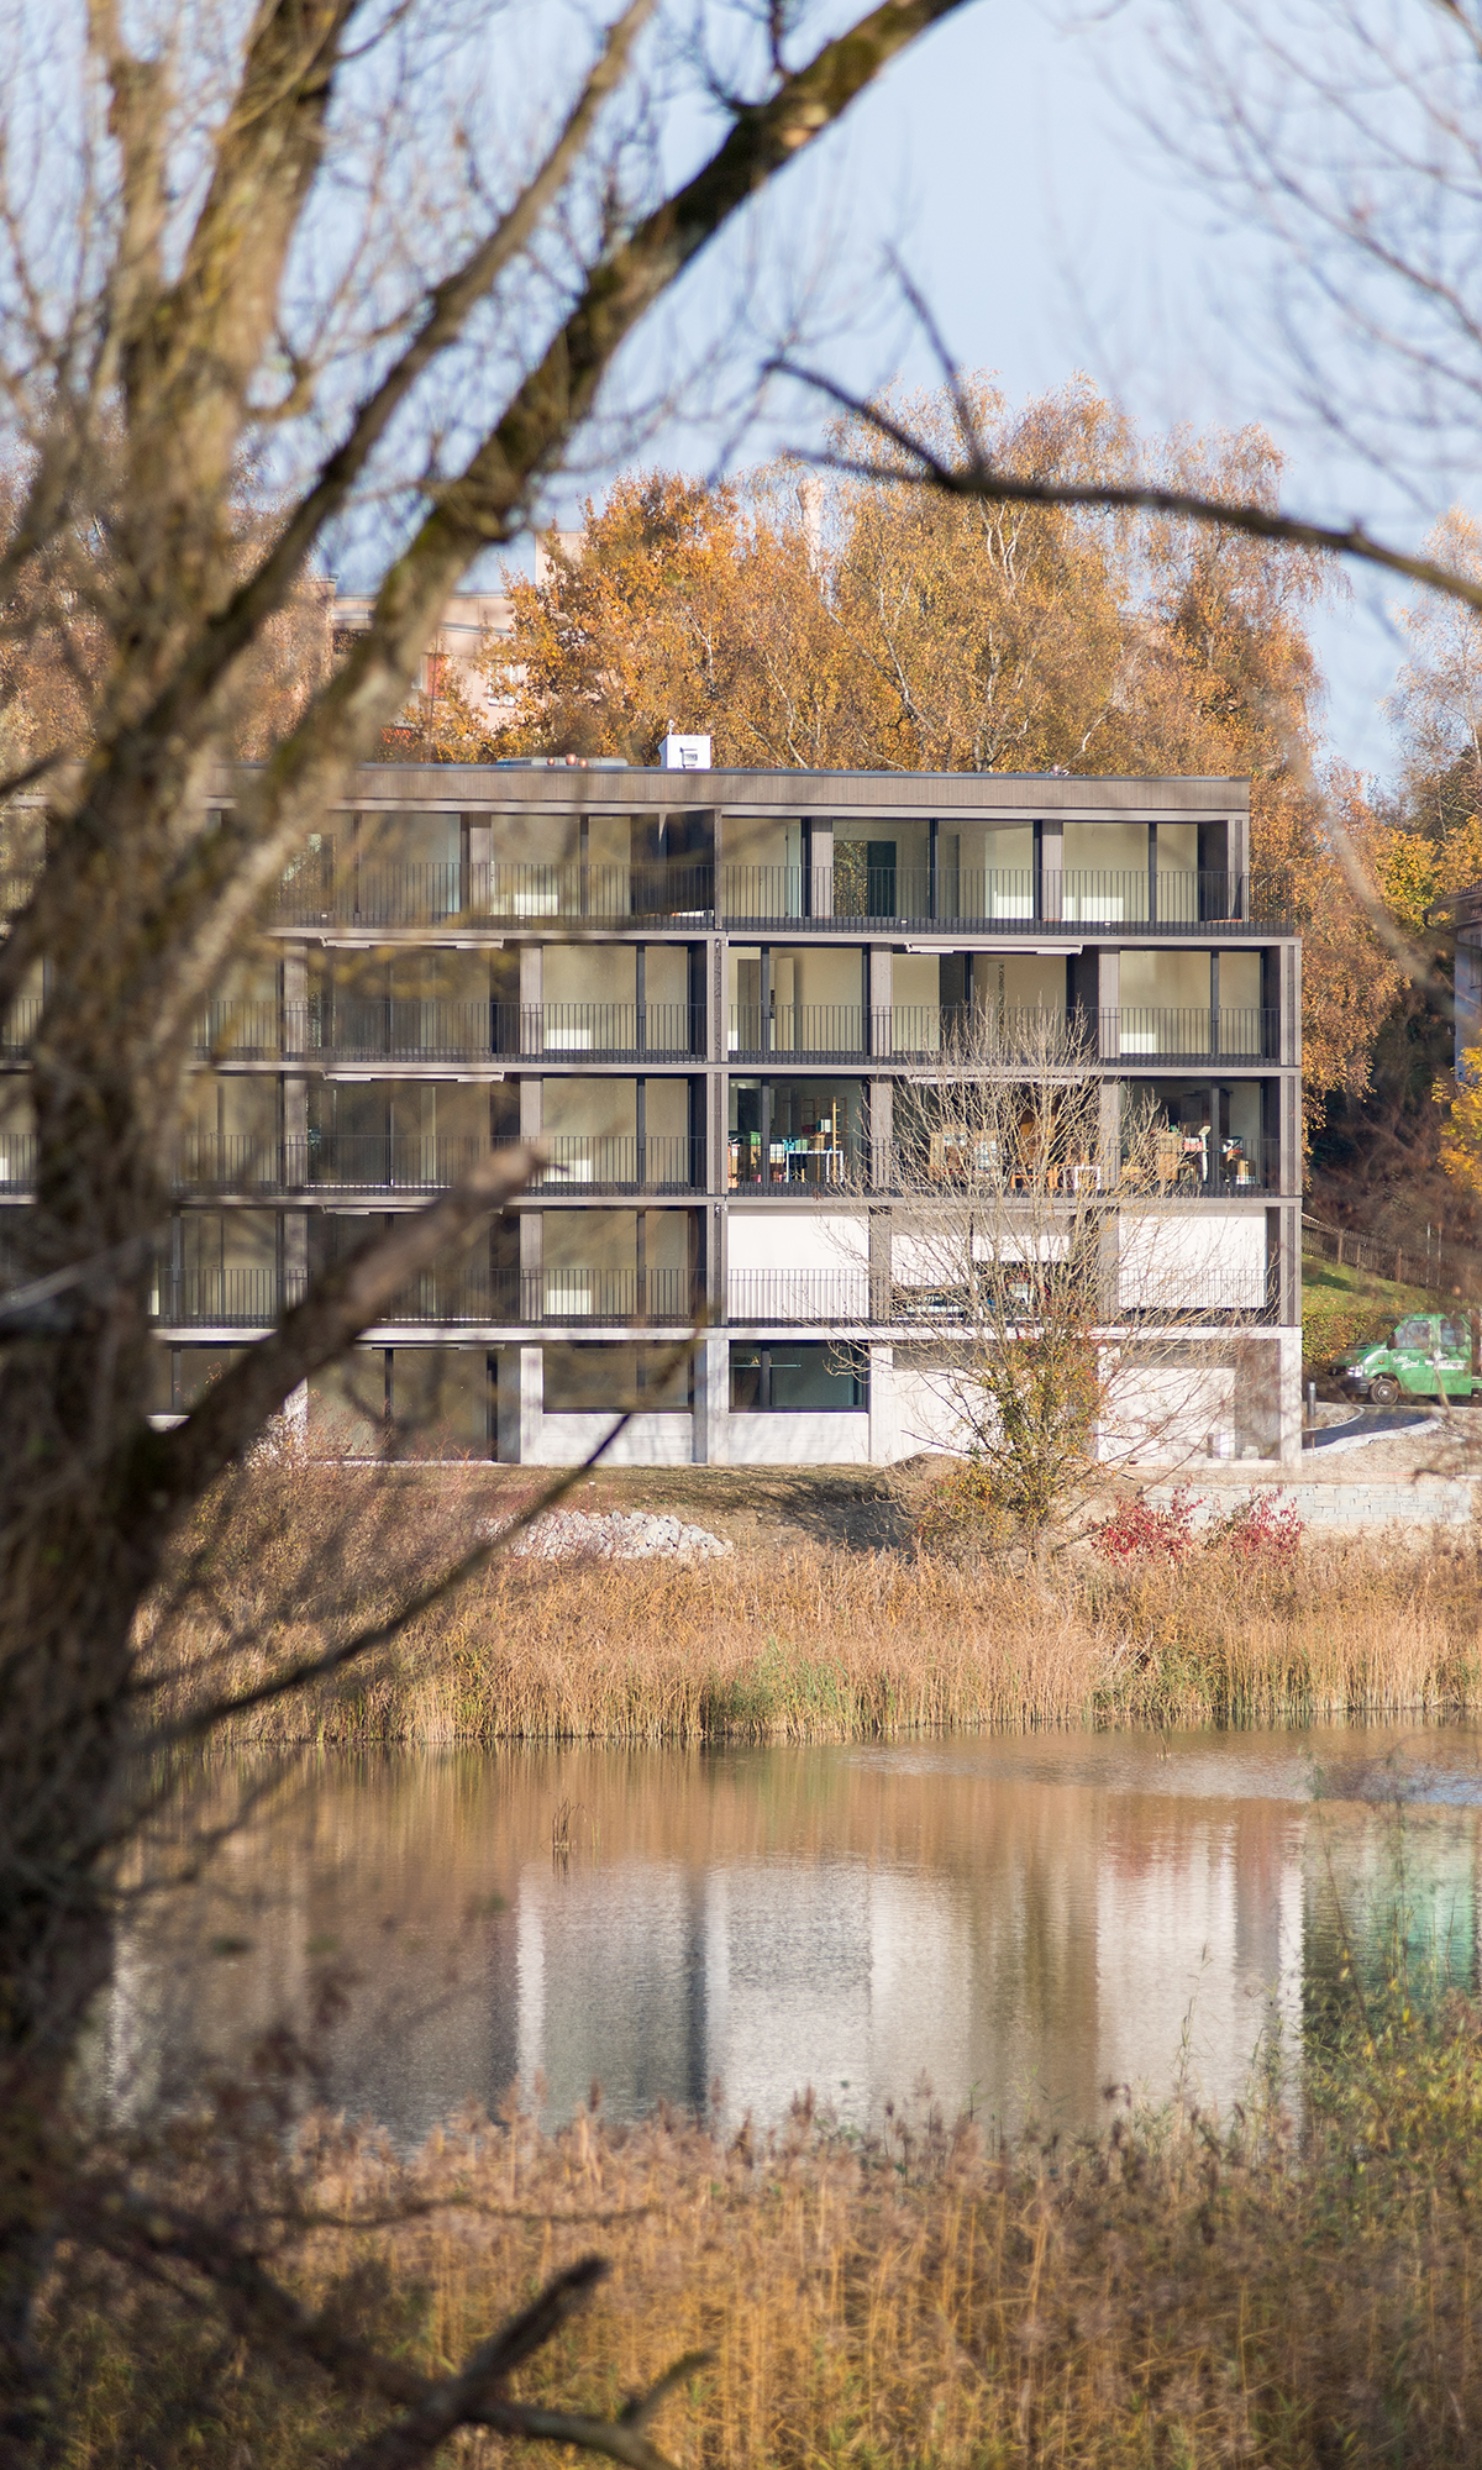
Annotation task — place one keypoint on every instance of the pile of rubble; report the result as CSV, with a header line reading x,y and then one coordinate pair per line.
x,y
616,1535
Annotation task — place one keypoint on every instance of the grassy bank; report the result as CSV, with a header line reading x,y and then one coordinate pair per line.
x,y
803,1642
1344,1307
1179,2293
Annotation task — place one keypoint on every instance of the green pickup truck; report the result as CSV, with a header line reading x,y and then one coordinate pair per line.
x,y
1427,1355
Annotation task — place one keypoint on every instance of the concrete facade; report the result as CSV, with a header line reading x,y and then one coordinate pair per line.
x,y
705,991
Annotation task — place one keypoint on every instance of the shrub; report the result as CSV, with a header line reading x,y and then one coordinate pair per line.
x,y
1139,1531
1267,1528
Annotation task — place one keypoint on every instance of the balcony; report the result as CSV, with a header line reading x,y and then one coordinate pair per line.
x,y
218,1299
829,1032
1176,1035
1190,901
221,1164
469,1293
594,1162
842,1299
322,892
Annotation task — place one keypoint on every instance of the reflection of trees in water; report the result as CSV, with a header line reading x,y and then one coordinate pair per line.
x,y
1390,1895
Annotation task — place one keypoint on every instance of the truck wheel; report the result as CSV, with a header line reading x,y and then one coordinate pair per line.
x,y
1383,1391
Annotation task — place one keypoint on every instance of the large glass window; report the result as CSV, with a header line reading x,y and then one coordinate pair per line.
x,y
804,1001
806,1379
616,1379
1200,1137
798,1134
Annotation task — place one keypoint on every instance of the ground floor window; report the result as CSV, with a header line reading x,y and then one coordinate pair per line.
x,y
617,1379
807,1379
405,1402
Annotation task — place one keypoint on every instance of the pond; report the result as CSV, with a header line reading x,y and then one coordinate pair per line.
x,y
1018,1925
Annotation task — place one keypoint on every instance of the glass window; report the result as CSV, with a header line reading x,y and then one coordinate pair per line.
x,y
807,1379
1456,1338
442,1402
1413,1334
800,1133
616,1379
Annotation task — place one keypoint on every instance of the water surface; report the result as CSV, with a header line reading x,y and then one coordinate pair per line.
x,y
1017,1925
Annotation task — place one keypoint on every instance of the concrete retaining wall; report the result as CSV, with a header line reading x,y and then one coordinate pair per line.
x,y
1344,1508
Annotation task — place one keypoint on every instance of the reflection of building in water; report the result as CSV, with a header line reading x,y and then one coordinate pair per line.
x,y
1017,1938
1022,1993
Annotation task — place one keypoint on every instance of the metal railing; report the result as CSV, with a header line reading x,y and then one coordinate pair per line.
x,y
249,1298
324,889
1174,900
848,1298
20,1025
660,1162
829,1029
794,1165
797,1296
1190,1033
428,1162
17,1161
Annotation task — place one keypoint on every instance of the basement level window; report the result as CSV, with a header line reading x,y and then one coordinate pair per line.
x,y
799,1380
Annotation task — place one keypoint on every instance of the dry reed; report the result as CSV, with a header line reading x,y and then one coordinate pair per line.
x,y
1177,2293
817,1643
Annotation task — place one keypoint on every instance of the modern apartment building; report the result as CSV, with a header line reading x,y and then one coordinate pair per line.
x,y
706,990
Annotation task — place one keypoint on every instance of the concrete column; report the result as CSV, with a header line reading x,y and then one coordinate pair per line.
x,y
1108,1003
1291,1133
295,1226
532,1395
295,1087
716,1024
1109,1132
882,1266
509,1405
712,1399
480,860
885,1442
532,997
821,889
881,1111
880,964
1052,870
1289,1343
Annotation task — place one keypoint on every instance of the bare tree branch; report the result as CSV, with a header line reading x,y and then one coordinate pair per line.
x,y
978,477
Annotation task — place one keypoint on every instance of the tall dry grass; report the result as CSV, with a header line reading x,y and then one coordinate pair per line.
x,y
813,1643
1175,2294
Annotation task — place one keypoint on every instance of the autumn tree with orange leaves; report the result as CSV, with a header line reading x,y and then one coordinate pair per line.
x,y
820,619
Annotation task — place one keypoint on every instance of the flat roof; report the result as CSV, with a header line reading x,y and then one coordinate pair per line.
x,y
999,796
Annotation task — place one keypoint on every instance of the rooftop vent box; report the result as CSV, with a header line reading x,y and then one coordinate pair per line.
x,y
685,754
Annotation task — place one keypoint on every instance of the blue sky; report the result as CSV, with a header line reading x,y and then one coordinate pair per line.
x,y
1005,163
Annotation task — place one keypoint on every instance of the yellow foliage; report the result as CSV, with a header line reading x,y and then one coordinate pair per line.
x,y
1461,1137
877,625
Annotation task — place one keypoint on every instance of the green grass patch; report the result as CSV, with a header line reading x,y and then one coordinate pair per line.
x,y
1343,1307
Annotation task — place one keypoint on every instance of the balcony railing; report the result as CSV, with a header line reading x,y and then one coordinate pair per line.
x,y
661,1162
219,1298
830,1030
323,891
1175,900
797,1296
1176,1034
430,1030
424,1162
845,1298
20,1025
469,1293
